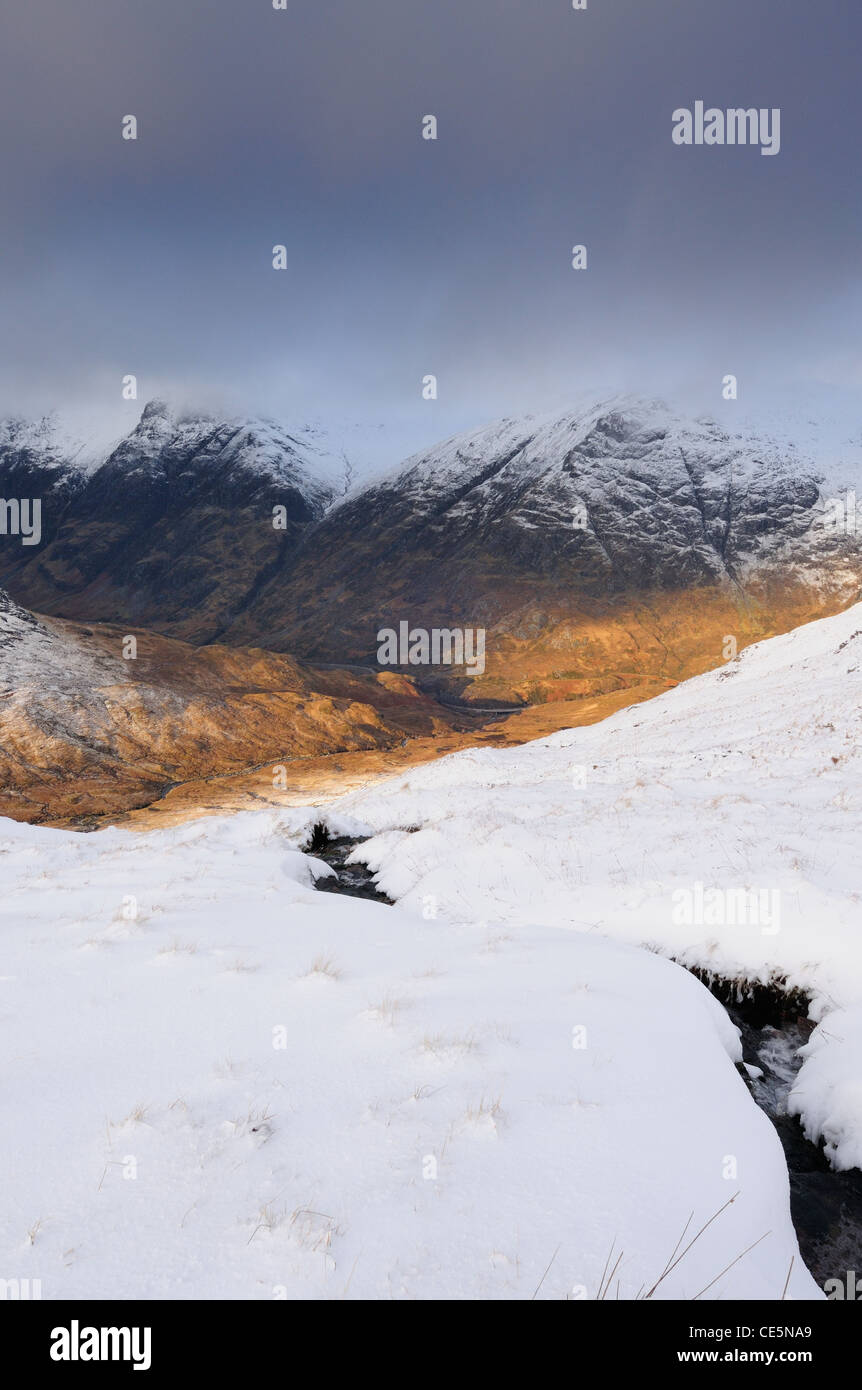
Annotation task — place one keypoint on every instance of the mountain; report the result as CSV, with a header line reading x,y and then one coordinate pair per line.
x,y
603,550
174,528
86,730
597,548
38,460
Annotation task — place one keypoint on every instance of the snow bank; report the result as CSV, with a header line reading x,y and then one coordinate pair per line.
x,y
223,1084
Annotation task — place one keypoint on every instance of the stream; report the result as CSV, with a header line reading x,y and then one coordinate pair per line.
x,y
354,880
825,1205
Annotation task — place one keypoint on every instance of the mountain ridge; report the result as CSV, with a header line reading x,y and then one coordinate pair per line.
x,y
535,524
560,533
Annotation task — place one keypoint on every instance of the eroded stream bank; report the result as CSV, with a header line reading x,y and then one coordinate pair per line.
x,y
826,1206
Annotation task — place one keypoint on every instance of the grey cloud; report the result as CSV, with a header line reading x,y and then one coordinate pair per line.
x,y
407,257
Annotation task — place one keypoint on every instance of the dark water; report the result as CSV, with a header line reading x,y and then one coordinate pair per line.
x,y
826,1206
356,880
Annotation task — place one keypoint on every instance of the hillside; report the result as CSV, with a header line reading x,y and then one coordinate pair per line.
x,y
718,823
597,549
85,732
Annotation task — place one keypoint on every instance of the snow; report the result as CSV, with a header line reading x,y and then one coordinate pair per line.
x,y
159,1142
746,779
169,439
540,446
49,442
786,442
491,1077
306,454
631,490
38,658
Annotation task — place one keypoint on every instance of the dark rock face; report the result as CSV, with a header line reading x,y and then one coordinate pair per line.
x,y
36,463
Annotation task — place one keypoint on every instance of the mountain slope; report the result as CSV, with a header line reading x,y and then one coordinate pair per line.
x,y
38,461
649,826
173,529
595,548
86,732
600,549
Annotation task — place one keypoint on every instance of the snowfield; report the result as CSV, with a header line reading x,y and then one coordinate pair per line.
x,y
718,823
222,1083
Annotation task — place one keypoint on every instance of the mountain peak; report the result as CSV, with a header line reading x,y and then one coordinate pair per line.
x,y
156,412
155,409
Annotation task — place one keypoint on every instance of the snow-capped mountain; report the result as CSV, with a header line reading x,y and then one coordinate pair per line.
x,y
598,547
43,444
170,446
637,495
563,536
173,528
39,459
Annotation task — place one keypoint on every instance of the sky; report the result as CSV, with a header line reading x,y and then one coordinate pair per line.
x,y
408,257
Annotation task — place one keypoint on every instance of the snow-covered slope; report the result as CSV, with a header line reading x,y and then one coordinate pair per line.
x,y
649,826
635,490
44,444
15,622
32,653
174,446
221,1083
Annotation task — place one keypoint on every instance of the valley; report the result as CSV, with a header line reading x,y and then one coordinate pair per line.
x,y
478,904
601,556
